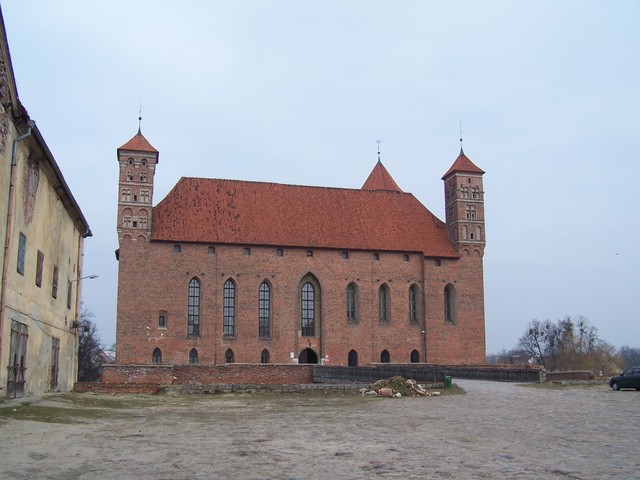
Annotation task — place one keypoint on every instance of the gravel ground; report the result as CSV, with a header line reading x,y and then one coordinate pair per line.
x,y
494,431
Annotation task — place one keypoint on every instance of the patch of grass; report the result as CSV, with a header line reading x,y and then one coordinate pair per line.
x,y
50,414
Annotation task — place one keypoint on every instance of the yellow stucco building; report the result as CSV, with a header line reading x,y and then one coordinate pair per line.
x,y
42,230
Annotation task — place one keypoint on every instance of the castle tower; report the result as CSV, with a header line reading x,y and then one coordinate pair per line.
x,y
138,160
464,204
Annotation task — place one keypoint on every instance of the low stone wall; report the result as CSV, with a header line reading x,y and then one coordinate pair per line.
x,y
583,375
422,373
234,373
98,387
137,374
499,373
221,378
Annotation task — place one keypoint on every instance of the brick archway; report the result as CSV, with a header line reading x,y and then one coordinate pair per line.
x,y
308,355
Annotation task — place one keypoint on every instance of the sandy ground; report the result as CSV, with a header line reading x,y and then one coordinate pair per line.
x,y
495,431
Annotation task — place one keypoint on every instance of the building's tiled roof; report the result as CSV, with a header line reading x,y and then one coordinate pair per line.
x,y
380,179
463,164
255,213
138,144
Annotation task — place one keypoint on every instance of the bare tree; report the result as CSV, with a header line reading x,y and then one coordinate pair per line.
x,y
535,341
567,344
89,348
629,356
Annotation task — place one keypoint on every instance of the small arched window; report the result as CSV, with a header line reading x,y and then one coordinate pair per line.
x,y
156,357
415,356
385,356
352,303
228,356
264,356
193,357
383,296
353,358
229,309
450,304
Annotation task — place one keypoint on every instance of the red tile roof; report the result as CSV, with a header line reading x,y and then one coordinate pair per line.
x,y
138,144
463,164
255,213
380,179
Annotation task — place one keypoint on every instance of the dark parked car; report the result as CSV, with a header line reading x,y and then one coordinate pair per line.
x,y
630,378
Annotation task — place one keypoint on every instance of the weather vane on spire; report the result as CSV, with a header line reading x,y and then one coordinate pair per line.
x,y
461,137
378,142
140,120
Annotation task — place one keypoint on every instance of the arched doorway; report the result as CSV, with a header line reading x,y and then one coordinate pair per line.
x,y
385,357
415,356
308,356
353,358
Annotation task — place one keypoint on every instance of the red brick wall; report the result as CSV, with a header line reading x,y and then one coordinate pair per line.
x,y
149,374
152,278
231,374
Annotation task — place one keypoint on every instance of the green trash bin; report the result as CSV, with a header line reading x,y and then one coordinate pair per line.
x,y
447,381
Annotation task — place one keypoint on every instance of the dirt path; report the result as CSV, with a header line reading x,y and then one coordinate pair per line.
x,y
496,430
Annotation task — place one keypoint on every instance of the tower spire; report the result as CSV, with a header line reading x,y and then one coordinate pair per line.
x,y
461,151
378,142
140,120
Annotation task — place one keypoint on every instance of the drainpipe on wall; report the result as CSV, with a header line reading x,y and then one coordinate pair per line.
x,y
9,219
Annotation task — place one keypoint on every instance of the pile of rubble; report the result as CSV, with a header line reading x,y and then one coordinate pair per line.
x,y
397,387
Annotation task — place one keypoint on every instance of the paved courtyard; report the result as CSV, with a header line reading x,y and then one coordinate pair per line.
x,y
494,431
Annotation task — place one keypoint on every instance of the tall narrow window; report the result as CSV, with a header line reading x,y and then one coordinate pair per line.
x,y
39,268
308,310
193,357
22,250
156,357
264,311
69,291
413,304
352,313
383,294
55,360
450,304
193,320
229,309
54,283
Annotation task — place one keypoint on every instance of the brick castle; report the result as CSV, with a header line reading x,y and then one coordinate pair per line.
x,y
226,271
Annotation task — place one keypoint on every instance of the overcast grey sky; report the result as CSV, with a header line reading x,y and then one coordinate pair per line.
x,y
298,92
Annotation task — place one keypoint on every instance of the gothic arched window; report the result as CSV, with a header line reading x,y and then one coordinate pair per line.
x,y
264,311
229,309
193,311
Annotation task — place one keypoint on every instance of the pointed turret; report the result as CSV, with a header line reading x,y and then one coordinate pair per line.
x,y
138,160
380,179
464,204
